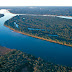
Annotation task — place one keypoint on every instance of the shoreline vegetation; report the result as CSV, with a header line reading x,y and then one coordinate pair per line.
x,y
51,29
50,40
38,14
64,11
18,61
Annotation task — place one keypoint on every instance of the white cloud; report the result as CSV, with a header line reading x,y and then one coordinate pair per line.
x,y
35,3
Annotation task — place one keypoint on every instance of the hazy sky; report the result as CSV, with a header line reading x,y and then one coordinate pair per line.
x,y
35,2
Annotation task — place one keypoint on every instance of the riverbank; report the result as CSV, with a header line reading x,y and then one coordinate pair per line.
x,y
18,61
50,40
4,50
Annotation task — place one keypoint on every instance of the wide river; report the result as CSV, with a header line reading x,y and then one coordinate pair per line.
x,y
52,52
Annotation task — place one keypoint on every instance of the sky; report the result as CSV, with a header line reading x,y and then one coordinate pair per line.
x,y
35,2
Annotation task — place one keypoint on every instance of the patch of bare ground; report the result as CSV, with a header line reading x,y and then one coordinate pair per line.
x,y
4,50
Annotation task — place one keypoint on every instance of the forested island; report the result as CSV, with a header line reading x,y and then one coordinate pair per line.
x,y
1,15
48,28
18,61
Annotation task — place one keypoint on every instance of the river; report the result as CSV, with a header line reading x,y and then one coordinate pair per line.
x,y
52,52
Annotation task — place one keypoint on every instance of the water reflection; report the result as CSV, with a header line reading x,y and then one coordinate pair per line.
x,y
16,24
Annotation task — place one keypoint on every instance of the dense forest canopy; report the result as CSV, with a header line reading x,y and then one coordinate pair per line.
x,y
48,27
17,61
52,10
66,11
